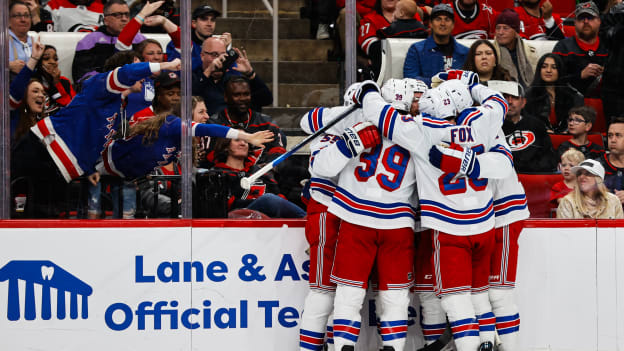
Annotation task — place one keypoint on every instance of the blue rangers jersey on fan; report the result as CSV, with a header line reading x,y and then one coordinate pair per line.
x,y
131,157
376,189
76,135
462,206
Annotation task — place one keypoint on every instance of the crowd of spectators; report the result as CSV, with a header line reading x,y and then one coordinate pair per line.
x,y
550,94
117,107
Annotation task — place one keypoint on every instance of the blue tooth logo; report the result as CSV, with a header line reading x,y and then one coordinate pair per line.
x,y
48,275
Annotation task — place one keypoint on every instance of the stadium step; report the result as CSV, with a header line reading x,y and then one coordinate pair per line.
x,y
286,117
308,95
262,28
306,77
288,49
299,71
256,8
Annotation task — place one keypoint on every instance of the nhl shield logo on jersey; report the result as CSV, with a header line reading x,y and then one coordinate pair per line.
x,y
520,140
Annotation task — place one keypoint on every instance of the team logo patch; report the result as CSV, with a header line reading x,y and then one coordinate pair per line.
x,y
520,140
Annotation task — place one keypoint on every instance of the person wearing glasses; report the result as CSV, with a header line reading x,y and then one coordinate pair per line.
x,y
580,122
119,33
20,43
209,79
75,15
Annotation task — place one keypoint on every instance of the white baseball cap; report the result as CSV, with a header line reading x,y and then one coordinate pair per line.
x,y
592,166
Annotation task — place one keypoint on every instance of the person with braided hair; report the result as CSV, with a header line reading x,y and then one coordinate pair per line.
x,y
65,146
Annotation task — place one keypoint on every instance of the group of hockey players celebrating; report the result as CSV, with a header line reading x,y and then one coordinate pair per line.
x,y
413,190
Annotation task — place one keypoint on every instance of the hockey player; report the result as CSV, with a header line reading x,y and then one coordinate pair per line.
x,y
454,195
433,318
419,88
510,207
375,199
322,232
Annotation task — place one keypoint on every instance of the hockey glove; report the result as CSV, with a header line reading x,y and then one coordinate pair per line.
x,y
455,159
365,87
466,77
356,139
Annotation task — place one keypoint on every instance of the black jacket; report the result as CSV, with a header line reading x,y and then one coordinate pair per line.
x,y
538,105
530,145
612,33
575,58
239,197
410,28
213,92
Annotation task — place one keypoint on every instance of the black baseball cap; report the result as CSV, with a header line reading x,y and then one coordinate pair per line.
x,y
166,80
442,9
588,7
205,10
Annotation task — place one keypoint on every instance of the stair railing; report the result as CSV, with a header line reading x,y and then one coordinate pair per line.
x,y
275,15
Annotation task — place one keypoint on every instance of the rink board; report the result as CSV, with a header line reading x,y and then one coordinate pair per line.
x,y
199,285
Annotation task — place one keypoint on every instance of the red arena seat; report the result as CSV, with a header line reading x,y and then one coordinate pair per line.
x,y
500,5
564,8
557,139
601,122
537,188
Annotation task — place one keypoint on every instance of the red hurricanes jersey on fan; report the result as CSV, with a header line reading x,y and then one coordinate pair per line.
x,y
369,26
532,27
479,25
368,29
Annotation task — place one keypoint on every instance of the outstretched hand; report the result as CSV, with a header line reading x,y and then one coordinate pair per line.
x,y
150,7
260,138
174,65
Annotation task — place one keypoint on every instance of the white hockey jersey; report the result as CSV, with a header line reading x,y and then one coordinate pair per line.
x,y
322,187
323,183
375,189
510,202
462,206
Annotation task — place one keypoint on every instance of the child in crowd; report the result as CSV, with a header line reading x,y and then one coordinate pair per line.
x,y
405,24
571,158
580,122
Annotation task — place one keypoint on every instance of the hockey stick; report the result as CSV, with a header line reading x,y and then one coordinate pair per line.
x,y
246,182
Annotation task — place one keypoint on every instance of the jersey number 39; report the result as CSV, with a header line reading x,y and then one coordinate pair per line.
x,y
394,160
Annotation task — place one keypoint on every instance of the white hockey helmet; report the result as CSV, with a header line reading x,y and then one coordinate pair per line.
x,y
398,93
417,85
437,103
459,94
349,93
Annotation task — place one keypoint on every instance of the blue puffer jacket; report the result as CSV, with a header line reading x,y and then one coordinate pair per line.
x,y
424,59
